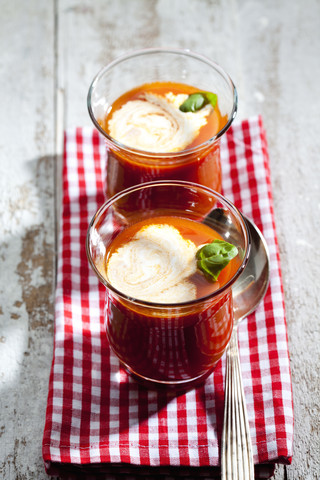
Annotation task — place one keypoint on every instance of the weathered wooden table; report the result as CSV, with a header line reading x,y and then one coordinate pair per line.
x,y
50,52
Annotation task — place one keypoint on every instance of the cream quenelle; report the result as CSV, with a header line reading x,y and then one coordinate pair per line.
x,y
155,265
155,123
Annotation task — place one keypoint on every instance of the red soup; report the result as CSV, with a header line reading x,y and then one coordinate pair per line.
x,y
162,339
161,143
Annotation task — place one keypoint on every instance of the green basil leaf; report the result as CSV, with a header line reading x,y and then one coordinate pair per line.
x,y
214,257
212,98
193,103
198,100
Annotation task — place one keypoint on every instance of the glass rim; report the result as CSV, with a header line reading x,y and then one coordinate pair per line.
x,y
175,51
178,183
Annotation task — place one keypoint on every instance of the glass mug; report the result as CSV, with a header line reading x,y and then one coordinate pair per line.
x,y
127,166
172,344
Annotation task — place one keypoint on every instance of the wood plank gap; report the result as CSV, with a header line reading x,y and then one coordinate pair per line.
x,y
59,119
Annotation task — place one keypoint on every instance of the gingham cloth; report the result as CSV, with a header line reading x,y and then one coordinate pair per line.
x,y
97,415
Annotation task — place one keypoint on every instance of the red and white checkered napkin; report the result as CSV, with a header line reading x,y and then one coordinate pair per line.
x,y
98,417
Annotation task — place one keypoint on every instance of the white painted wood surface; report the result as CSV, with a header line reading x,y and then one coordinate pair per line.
x,y
271,50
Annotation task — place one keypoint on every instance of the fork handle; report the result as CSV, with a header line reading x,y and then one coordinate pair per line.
x,y
236,454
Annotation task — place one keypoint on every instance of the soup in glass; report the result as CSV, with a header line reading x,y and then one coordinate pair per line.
x,y
162,113
169,310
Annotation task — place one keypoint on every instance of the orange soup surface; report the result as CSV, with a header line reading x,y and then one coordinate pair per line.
x,y
176,93
197,233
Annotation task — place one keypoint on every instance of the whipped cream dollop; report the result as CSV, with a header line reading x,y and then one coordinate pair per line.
x,y
155,265
154,123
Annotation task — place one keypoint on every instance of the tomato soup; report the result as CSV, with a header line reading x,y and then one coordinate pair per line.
x,y
154,140
170,327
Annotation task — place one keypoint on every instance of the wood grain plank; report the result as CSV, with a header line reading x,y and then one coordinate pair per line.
x,y
27,247
279,42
